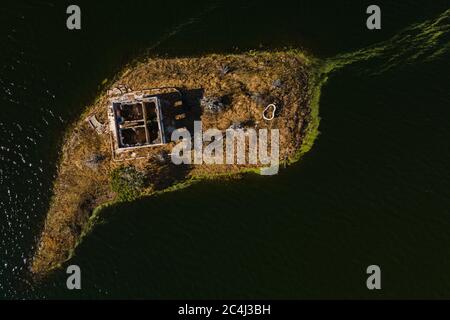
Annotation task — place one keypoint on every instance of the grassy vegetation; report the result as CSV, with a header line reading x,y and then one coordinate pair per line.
x,y
127,182
82,192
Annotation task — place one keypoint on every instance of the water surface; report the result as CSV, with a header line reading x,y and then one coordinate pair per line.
x,y
373,190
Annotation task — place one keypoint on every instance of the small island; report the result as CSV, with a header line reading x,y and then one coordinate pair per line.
x,y
121,147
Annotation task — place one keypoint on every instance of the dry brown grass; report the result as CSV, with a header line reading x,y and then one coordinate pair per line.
x,y
79,189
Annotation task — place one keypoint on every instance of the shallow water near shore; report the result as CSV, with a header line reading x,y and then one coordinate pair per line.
x,y
373,190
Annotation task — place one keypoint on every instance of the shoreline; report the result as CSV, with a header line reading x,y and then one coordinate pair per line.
x,y
80,194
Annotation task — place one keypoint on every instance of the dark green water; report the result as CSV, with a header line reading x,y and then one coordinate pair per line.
x,y
373,190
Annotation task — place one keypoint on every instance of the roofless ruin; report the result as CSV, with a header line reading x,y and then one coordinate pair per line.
x,y
136,121
142,119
